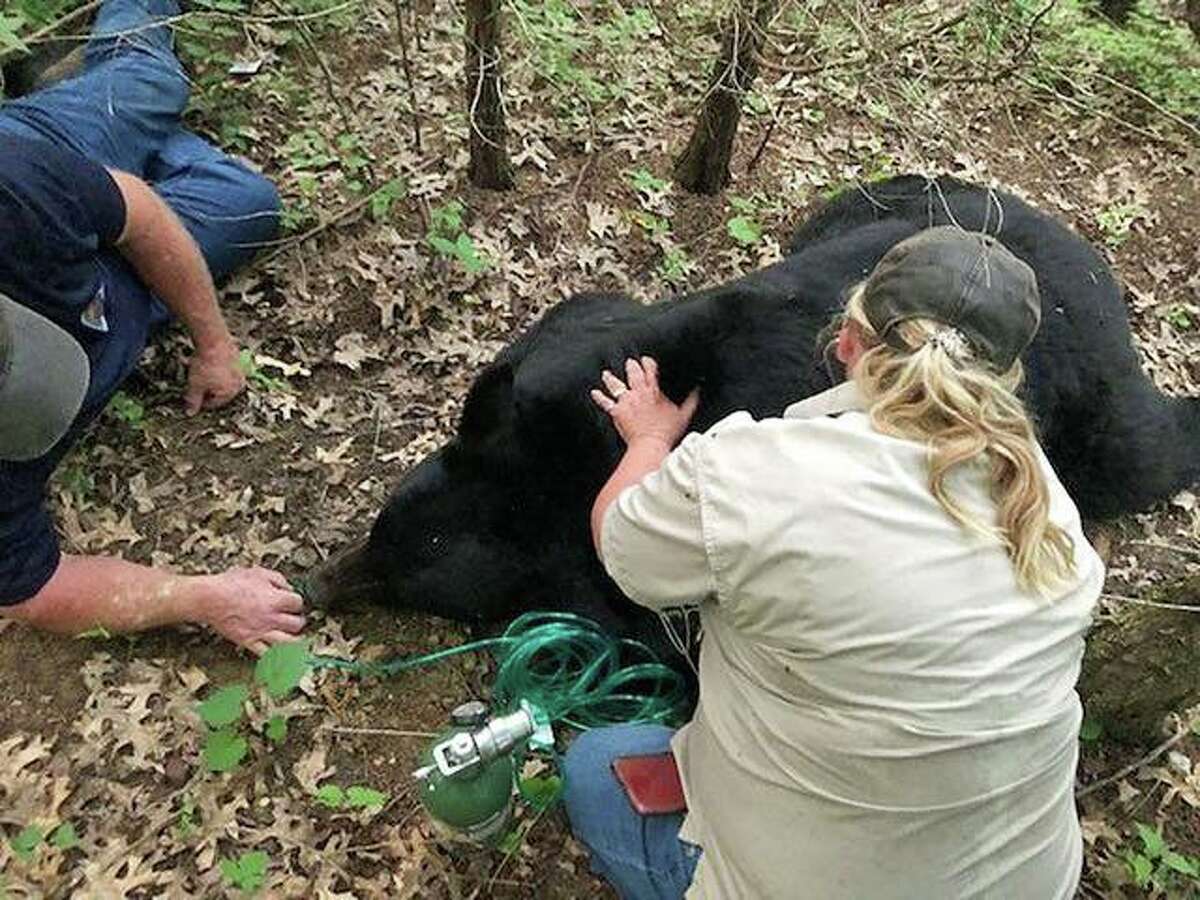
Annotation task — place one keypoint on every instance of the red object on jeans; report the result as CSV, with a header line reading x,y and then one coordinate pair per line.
x,y
651,783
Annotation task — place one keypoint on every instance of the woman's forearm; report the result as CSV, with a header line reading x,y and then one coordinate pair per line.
x,y
641,458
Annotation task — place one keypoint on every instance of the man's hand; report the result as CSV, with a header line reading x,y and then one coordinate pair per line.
x,y
640,411
254,608
214,377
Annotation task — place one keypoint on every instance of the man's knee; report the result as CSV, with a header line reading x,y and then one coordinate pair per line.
x,y
260,204
254,195
248,217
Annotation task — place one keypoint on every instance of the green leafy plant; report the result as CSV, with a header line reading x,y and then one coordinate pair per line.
x,y
248,872
1082,52
355,797
185,822
744,230
257,377
277,729
1180,316
1155,865
1091,731
128,410
354,159
78,480
675,266
11,26
540,791
223,750
19,17
98,632
644,182
559,39
654,226
225,706
385,196
277,673
1116,220
448,237
281,667
745,227
64,837
26,842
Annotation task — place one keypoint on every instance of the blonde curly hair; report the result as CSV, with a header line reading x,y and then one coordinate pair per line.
x,y
939,394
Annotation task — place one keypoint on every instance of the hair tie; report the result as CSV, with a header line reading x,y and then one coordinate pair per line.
x,y
952,342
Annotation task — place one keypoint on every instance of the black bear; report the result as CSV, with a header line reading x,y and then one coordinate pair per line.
x,y
496,522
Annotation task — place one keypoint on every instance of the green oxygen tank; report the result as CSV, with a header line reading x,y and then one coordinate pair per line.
x,y
467,776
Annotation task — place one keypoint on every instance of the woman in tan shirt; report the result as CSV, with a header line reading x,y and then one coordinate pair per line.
x,y
894,588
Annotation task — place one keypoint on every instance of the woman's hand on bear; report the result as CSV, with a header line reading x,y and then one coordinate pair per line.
x,y
639,409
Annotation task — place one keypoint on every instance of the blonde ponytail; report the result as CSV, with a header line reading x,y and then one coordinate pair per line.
x,y
938,395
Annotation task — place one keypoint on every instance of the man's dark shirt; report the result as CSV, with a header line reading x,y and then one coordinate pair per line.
x,y
60,215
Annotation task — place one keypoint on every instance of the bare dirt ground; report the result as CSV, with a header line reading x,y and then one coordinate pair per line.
x,y
365,339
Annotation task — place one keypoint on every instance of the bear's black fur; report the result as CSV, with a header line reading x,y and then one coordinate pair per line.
x,y
497,521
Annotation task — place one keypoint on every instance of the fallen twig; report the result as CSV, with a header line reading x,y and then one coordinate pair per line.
x,y
44,35
1159,545
1182,730
1180,607
330,87
50,31
870,55
392,732
287,243
1150,101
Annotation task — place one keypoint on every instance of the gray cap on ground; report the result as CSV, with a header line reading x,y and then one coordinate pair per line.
x,y
44,376
964,279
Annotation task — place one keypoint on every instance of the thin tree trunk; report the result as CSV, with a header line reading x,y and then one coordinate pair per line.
x,y
1117,10
703,167
1191,15
490,167
1145,665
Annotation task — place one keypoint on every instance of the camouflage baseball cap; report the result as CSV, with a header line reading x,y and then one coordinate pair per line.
x,y
964,279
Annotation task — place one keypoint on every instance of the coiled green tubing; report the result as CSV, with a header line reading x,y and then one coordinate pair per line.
x,y
565,665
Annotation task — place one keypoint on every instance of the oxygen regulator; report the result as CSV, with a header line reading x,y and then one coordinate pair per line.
x,y
468,775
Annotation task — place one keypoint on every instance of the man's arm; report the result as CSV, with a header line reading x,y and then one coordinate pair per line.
x,y
252,607
167,259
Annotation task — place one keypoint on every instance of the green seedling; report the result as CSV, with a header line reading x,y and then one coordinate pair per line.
x,y
128,409
277,673
256,376
447,237
248,872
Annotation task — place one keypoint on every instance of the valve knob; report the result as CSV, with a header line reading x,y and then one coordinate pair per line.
x,y
471,714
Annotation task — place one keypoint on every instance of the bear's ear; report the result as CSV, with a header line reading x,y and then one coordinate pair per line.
x,y
489,413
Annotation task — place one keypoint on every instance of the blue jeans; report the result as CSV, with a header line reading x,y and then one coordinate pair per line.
x,y
641,856
123,111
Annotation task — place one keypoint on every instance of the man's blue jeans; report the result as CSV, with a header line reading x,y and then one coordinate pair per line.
x,y
641,856
123,111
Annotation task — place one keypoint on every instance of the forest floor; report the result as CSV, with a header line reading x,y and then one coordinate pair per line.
x,y
365,337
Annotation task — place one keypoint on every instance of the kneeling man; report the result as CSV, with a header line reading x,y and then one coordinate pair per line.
x,y
115,219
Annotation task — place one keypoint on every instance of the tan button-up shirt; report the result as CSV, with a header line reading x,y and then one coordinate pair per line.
x,y
883,712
